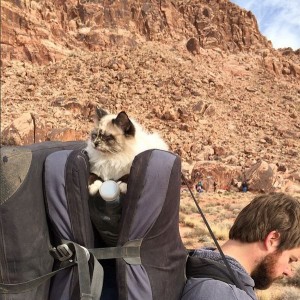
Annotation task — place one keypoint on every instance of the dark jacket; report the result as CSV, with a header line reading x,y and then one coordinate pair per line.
x,y
211,289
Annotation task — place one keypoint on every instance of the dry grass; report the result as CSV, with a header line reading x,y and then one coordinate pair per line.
x,y
220,230
220,210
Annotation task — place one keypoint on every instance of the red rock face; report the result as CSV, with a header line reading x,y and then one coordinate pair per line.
x,y
229,99
48,30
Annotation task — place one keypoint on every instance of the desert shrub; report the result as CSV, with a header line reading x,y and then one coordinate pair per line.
x,y
188,234
192,222
221,231
209,204
189,222
188,207
198,232
227,206
194,208
201,231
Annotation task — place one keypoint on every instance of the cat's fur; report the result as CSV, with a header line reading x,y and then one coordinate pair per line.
x,y
114,143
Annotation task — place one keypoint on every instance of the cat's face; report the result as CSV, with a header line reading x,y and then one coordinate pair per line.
x,y
112,133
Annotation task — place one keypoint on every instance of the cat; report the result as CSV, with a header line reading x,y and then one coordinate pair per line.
x,y
113,144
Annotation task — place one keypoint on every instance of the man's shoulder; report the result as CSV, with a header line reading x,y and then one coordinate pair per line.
x,y
211,289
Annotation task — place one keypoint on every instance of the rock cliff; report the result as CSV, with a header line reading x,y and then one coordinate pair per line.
x,y
199,72
43,30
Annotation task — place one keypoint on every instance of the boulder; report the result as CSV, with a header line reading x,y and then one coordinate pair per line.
x,y
64,134
212,171
291,187
24,130
29,129
261,177
193,46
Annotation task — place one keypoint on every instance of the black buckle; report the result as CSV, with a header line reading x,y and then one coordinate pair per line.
x,y
61,252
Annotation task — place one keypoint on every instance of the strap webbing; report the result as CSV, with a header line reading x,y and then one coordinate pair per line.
x,y
82,258
130,252
97,279
15,288
89,289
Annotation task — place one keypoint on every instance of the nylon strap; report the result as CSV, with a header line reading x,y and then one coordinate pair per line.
x,y
130,252
15,288
97,279
83,272
88,289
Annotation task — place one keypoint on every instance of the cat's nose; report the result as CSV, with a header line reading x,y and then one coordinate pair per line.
x,y
96,143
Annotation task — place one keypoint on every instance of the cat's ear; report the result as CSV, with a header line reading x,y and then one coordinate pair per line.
x,y
124,123
100,113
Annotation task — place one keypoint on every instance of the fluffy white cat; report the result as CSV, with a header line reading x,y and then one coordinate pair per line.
x,y
113,144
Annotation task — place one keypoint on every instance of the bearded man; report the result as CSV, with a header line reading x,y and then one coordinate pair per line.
x,y
263,244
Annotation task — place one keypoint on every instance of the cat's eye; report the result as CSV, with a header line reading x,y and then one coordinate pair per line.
x,y
93,136
108,138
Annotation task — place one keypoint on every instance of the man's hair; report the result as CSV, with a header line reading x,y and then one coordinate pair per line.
x,y
276,211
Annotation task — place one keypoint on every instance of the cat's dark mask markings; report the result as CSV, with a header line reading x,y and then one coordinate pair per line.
x,y
97,137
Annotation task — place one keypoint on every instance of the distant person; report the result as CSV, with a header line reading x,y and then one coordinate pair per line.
x,y
199,187
264,242
215,186
245,186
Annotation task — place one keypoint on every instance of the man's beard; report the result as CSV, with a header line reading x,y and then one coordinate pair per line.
x,y
263,274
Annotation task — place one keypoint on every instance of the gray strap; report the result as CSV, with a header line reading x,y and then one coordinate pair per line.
x,y
130,252
16,288
83,272
97,279
88,290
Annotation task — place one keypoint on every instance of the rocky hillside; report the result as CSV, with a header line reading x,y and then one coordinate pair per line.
x,y
47,30
199,72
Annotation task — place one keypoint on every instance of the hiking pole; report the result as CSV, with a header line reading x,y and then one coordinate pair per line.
x,y
232,274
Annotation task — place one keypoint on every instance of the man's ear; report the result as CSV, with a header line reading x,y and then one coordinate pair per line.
x,y
272,241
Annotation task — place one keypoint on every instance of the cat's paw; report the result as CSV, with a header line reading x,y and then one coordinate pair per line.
x,y
123,187
94,187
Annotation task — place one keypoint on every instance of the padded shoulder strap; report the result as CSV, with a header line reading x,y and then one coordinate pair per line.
x,y
66,194
151,214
